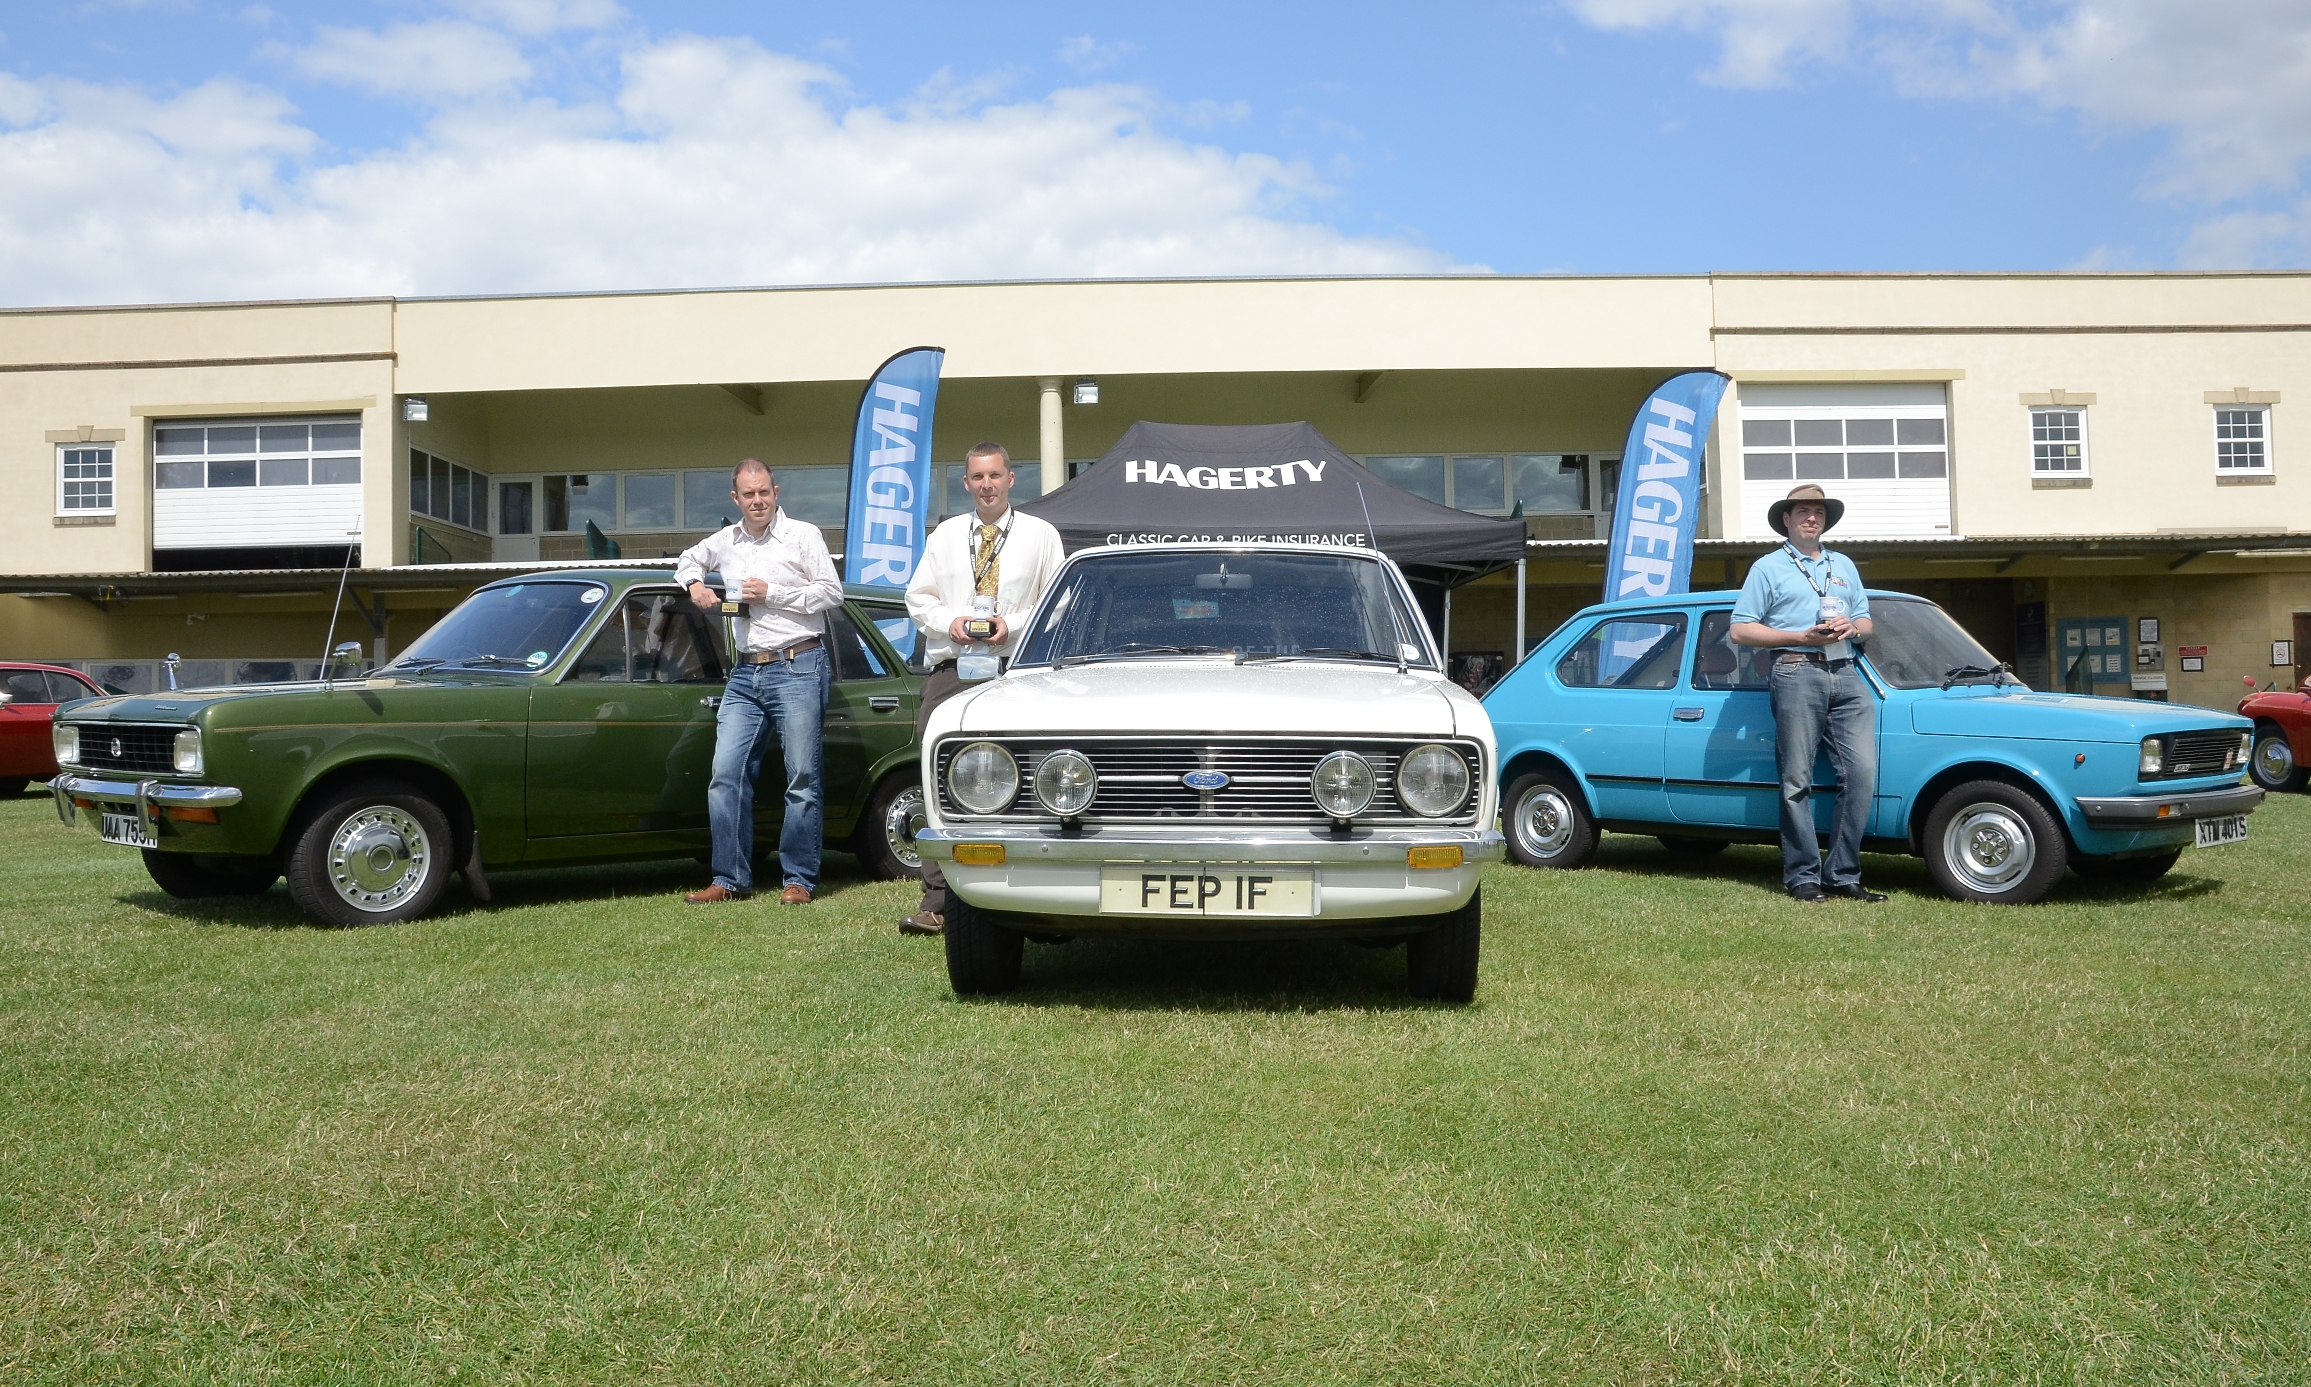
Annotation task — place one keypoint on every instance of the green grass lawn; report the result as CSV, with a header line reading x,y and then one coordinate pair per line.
x,y
1690,1131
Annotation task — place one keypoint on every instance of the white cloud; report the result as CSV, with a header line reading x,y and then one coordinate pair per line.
x,y
434,59
2227,81
1087,55
544,16
715,163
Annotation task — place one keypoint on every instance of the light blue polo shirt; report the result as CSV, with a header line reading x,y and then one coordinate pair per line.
x,y
1784,590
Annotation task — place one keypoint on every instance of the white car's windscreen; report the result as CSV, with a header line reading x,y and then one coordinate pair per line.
x,y
1251,606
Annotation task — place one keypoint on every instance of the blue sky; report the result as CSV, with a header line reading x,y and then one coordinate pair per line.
x,y
179,149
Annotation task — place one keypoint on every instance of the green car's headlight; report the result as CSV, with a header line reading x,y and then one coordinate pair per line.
x,y
186,754
66,739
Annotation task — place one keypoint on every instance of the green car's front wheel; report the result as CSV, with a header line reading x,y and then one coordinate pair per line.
x,y
375,854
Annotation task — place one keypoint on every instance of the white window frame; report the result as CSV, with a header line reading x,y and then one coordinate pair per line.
x,y
1601,497
479,488
2265,440
111,478
2085,466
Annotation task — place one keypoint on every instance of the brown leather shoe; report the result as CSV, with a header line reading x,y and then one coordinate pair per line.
x,y
713,895
794,895
923,922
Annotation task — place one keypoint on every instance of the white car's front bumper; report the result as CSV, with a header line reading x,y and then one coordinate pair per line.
x,y
1362,877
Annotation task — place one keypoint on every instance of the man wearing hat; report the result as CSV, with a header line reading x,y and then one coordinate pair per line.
x,y
1806,605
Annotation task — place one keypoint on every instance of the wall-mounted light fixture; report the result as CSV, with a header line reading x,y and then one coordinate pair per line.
x,y
1087,391
413,409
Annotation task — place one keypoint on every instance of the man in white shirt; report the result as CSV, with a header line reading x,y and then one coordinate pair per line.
x,y
997,552
778,566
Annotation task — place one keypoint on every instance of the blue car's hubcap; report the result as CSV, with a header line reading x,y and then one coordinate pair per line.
x,y
1544,821
1989,847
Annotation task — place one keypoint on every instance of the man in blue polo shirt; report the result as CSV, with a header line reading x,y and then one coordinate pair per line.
x,y
1806,605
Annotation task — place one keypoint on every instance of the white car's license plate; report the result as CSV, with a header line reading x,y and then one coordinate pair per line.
x,y
117,826
2214,833
1161,888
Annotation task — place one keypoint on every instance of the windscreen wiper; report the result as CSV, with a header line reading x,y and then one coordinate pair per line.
x,y
494,662
1996,674
1126,652
1313,652
417,666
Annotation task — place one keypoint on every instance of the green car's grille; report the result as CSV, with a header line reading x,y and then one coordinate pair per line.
x,y
134,748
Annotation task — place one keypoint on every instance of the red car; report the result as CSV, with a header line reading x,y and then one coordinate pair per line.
x,y
2282,759
28,698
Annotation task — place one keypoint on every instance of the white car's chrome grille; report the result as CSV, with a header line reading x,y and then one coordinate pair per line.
x,y
1141,779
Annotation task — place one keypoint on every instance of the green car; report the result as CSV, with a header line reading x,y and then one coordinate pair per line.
x,y
560,717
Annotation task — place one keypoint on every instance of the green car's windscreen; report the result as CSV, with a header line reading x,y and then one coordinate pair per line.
x,y
520,626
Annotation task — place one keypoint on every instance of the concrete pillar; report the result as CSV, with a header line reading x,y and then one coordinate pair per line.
x,y
1054,437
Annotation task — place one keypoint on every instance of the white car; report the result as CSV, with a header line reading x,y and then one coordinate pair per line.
x,y
1216,741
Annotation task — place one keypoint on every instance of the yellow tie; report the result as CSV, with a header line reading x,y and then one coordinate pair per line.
x,y
989,562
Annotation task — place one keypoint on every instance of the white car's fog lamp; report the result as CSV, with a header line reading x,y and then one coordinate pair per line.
x,y
66,739
1343,784
1065,783
983,778
2154,757
1432,780
186,754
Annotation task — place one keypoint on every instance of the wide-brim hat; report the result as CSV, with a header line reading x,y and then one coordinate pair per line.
x,y
1777,514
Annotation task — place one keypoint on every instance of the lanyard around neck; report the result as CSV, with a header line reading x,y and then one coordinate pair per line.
x,y
1800,561
981,565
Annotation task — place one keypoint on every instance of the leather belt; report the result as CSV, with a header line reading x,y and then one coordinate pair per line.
x,y
764,657
1811,657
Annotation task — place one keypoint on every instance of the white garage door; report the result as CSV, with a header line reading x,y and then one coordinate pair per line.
x,y
236,483
1882,449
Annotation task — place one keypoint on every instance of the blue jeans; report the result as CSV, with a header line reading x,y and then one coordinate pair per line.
x,y
794,697
1814,703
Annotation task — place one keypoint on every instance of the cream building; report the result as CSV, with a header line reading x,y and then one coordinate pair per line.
x,y
2092,471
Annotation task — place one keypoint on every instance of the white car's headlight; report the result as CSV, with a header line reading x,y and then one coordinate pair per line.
x,y
983,778
1342,784
1065,783
186,754
66,739
2154,757
1432,780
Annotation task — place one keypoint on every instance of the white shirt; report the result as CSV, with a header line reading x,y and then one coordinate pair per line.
x,y
943,586
790,557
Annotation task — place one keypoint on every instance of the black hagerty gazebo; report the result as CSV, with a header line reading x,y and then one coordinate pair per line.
x,y
1250,482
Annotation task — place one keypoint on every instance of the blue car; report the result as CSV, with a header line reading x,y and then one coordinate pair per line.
x,y
1641,717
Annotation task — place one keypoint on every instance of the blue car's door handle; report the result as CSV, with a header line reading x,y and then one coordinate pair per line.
x,y
1688,714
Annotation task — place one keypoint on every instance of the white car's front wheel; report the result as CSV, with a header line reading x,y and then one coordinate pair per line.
x,y
1440,964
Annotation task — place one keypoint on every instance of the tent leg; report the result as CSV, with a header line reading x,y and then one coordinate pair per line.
x,y
1448,632
1520,611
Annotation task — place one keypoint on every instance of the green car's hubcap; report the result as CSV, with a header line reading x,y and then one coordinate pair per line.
x,y
2274,759
900,826
1544,821
1989,847
378,858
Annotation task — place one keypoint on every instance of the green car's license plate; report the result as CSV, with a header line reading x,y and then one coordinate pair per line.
x,y
117,826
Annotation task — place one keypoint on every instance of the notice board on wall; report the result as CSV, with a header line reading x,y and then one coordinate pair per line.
x,y
2094,651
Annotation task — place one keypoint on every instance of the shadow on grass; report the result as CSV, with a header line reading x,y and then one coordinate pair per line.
x,y
513,889
1299,975
1759,865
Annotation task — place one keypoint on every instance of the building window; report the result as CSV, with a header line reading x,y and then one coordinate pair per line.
x,y
1500,483
444,490
2058,441
258,453
514,507
84,480
2242,439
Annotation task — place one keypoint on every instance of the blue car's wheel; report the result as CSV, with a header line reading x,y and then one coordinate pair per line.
x,y
1987,840
1547,821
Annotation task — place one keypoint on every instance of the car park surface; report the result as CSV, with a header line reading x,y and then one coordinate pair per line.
x,y
29,697
558,717
1641,717
1216,741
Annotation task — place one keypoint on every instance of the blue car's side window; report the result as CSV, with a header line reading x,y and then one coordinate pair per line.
x,y
1720,664
1627,653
